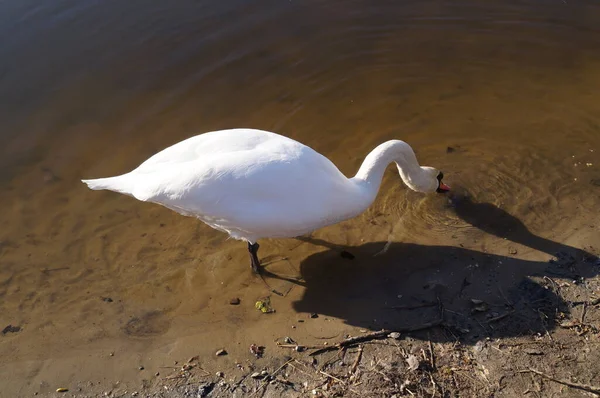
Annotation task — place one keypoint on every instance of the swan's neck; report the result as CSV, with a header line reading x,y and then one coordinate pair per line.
x,y
371,171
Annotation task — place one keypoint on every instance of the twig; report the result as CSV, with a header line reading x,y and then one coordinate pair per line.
x,y
377,335
332,377
579,386
357,361
499,317
179,376
432,358
301,370
583,313
296,346
353,340
239,383
382,333
412,307
272,374
510,303
434,385
590,303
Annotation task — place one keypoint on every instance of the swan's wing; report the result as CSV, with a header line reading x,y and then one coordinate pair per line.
x,y
269,189
207,145
202,169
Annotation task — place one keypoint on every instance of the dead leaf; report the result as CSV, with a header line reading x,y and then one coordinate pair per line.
x,y
413,362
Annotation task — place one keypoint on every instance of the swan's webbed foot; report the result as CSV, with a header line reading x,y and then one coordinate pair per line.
x,y
253,250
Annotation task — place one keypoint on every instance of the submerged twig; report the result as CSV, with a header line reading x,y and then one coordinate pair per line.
x,y
412,307
499,317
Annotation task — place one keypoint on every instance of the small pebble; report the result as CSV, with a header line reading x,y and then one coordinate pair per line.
x,y
141,368
299,348
220,374
134,394
264,373
157,374
255,375
62,389
221,352
394,335
314,315
234,301
288,340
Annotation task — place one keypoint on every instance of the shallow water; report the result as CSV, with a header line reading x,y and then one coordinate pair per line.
x,y
502,96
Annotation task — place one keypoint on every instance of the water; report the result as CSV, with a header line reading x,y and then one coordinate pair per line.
x,y
91,89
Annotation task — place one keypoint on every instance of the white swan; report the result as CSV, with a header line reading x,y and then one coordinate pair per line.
x,y
255,184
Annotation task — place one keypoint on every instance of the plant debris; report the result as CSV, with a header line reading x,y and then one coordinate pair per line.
x,y
257,351
11,329
264,305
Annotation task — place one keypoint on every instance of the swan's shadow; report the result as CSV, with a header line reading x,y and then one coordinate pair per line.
x,y
476,289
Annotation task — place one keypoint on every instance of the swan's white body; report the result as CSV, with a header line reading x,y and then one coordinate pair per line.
x,y
256,184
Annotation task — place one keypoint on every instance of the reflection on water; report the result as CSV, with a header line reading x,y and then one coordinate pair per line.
x,y
502,96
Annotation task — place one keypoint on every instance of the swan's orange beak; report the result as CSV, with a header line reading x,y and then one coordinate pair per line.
x,y
443,188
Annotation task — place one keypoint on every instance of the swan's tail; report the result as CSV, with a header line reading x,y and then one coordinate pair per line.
x,y
121,184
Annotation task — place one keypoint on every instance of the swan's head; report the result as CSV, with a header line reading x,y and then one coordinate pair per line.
x,y
429,181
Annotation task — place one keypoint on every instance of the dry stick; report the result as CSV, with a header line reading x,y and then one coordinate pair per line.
x,y
332,377
377,335
179,376
272,374
579,386
358,358
359,339
583,312
300,363
339,381
590,303
239,383
434,385
432,359
383,333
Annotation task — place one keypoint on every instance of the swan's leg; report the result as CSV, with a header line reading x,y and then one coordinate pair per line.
x,y
253,249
